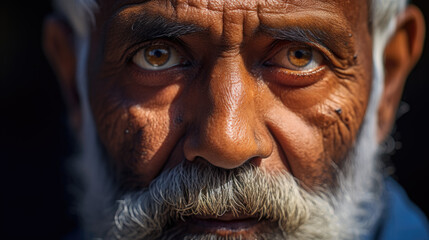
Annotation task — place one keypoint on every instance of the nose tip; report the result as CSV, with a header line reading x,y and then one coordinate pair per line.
x,y
226,149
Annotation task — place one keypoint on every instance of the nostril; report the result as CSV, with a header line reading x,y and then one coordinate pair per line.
x,y
255,161
199,160
212,146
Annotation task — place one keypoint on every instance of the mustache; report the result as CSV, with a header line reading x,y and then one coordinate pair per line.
x,y
197,188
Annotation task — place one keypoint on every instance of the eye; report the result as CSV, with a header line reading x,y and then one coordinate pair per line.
x,y
298,58
158,57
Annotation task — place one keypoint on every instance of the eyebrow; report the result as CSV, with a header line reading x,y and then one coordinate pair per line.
x,y
124,32
127,31
148,27
296,34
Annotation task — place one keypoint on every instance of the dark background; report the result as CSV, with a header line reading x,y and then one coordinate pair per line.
x,y
34,141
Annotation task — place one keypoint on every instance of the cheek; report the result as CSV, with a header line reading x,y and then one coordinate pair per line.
x,y
137,128
145,147
319,124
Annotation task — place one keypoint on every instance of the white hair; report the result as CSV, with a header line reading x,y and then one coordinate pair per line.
x,y
360,188
79,13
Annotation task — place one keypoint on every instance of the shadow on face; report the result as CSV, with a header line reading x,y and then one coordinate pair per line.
x,y
282,85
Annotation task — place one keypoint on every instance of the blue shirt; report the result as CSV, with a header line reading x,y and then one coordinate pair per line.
x,y
401,219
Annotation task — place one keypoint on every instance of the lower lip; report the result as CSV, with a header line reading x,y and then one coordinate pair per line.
x,y
219,227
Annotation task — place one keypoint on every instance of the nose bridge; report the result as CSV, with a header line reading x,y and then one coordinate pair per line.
x,y
227,134
230,95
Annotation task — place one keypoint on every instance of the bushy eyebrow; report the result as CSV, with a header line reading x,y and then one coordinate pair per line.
x,y
295,34
128,29
148,27
124,32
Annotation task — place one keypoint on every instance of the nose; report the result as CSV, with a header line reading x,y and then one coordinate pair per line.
x,y
227,128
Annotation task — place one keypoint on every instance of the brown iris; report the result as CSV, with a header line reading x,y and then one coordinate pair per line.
x,y
157,55
299,56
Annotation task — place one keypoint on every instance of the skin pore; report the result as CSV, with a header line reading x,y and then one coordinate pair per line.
x,y
282,86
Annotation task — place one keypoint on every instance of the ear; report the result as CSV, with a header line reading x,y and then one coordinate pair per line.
x,y
400,56
58,44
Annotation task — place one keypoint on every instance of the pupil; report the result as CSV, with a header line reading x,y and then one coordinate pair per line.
x,y
299,54
157,53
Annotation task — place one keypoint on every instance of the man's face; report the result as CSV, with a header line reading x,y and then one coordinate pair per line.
x,y
283,85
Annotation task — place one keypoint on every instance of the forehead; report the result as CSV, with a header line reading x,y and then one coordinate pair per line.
x,y
211,13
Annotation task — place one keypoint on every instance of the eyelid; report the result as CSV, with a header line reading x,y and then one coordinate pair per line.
x,y
330,58
282,59
291,77
279,46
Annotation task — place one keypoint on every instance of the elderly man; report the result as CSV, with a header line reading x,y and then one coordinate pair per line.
x,y
216,119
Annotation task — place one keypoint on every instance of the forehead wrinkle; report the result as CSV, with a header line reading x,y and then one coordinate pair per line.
x,y
247,5
242,16
229,17
288,8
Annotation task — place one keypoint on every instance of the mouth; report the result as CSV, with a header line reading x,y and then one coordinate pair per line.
x,y
225,225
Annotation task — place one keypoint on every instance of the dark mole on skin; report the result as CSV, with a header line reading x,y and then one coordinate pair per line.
x,y
339,111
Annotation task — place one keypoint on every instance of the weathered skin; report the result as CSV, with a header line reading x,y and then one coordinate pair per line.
x,y
235,93
228,107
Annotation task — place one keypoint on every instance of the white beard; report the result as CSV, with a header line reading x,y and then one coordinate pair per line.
x,y
347,213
